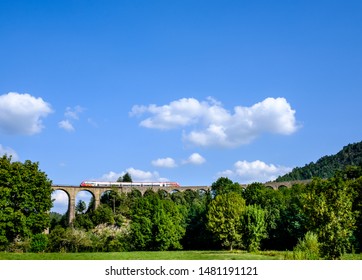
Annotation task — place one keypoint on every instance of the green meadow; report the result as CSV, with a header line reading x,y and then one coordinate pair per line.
x,y
161,255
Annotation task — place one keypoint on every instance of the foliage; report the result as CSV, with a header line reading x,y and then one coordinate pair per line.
x,y
77,240
19,245
224,219
80,207
83,221
291,222
102,215
272,202
197,235
225,185
327,166
156,224
327,205
57,239
254,227
356,185
25,200
39,242
307,248
125,178
107,238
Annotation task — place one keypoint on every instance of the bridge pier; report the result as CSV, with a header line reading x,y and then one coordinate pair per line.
x,y
71,210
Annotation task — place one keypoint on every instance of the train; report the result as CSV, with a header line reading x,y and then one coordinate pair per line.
x,y
128,184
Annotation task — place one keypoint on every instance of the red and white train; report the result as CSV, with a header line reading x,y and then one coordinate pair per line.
x,y
128,184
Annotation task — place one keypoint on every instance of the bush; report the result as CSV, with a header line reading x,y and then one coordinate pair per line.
x,y
39,243
110,238
19,245
307,248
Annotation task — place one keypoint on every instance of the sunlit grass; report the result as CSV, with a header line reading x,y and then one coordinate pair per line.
x,y
168,255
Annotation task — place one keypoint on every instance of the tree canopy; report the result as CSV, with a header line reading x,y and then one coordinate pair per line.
x,y
327,166
25,200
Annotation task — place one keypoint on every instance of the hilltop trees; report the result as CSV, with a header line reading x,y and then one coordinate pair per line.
x,y
327,166
25,200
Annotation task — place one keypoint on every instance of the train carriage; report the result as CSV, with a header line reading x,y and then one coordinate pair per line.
x,y
128,184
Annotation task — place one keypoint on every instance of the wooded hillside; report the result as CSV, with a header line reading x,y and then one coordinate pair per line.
x,y
327,166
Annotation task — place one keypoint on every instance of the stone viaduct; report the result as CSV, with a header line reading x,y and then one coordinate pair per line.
x,y
97,192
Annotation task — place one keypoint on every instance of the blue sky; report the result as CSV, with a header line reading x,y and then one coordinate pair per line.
x,y
184,91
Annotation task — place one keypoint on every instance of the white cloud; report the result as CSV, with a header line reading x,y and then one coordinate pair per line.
x,y
9,151
255,171
136,174
164,162
66,125
196,159
213,125
61,198
73,113
61,201
70,114
22,113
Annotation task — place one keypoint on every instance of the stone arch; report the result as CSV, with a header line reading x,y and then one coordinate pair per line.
x,y
174,191
282,187
134,192
59,198
202,191
92,196
149,191
162,193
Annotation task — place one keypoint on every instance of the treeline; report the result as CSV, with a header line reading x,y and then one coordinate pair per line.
x,y
322,219
319,220
327,166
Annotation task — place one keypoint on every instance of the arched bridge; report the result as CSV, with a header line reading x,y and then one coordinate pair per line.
x,y
97,192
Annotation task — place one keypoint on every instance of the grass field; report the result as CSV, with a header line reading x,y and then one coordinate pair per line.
x,y
174,255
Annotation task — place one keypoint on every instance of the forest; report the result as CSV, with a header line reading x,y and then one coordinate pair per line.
x,y
327,166
319,220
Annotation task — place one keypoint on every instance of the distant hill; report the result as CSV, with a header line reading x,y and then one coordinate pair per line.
x,y
327,166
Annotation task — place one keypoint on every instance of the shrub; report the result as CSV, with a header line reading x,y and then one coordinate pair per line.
x,y
19,245
39,243
307,248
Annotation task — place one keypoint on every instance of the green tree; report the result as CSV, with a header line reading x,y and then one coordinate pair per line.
x,y
112,198
356,185
272,202
80,207
254,227
157,224
225,185
125,178
25,200
224,219
102,215
197,236
57,239
327,205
